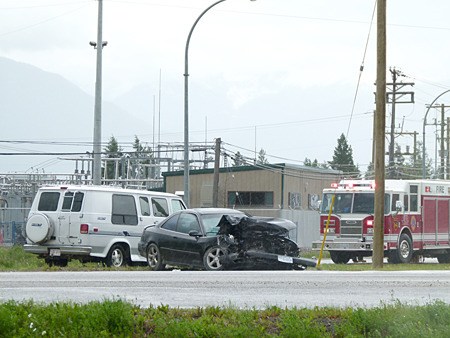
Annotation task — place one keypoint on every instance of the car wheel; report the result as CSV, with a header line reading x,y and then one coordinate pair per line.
x,y
339,257
117,256
211,258
154,259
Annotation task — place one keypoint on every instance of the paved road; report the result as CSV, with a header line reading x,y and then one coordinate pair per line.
x,y
243,289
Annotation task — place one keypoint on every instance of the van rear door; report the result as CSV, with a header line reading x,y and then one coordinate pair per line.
x,y
70,217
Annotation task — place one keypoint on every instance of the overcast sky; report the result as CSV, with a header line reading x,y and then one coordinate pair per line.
x,y
289,69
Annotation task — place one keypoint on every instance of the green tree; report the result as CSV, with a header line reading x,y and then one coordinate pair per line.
x,y
343,158
142,158
308,163
238,160
112,150
370,173
262,157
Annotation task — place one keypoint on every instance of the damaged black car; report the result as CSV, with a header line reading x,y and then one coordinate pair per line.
x,y
217,239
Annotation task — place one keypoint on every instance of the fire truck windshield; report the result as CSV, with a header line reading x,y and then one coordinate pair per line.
x,y
350,203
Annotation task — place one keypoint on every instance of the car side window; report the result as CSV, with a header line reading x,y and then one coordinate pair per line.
x,y
187,223
145,206
160,207
171,223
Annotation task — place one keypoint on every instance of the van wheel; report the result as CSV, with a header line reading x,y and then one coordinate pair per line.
x,y
404,252
154,259
117,256
62,262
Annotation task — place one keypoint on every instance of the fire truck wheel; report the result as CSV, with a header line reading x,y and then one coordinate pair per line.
x,y
443,259
404,252
340,257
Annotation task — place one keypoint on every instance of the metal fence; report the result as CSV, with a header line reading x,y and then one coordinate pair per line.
x,y
12,226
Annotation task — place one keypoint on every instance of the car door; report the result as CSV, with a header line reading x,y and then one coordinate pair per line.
x,y
186,249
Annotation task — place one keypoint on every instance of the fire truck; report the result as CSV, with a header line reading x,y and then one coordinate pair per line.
x,y
416,220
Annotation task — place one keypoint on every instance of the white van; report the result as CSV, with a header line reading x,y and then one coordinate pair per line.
x,y
94,223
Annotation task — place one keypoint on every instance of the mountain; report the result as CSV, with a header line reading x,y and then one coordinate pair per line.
x,y
41,107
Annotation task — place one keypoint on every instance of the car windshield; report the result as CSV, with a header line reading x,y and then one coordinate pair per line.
x,y
210,222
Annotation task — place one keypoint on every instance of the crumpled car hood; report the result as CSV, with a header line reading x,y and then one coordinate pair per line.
x,y
257,241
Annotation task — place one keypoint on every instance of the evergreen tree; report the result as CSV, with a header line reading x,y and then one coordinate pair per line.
x,y
308,163
143,156
370,173
343,158
112,150
262,157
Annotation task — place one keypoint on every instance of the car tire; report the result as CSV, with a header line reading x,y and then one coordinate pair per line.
x,y
211,258
339,257
117,256
154,259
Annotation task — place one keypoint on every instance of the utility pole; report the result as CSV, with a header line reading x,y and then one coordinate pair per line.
x,y
395,96
378,238
443,154
97,142
216,173
448,147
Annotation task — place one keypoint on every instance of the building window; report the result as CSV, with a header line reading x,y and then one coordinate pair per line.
x,y
295,200
250,198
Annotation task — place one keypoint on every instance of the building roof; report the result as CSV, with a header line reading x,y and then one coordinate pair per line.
x,y
270,167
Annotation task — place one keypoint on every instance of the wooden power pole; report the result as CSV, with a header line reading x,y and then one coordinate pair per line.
x,y
380,123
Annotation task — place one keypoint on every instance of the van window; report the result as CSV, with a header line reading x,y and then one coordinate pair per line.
x,y
124,210
145,206
177,205
67,201
71,203
160,207
48,201
77,201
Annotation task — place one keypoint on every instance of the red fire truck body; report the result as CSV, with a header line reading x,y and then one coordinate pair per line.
x,y
416,220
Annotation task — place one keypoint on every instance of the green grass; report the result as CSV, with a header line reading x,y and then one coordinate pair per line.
x,y
16,259
117,318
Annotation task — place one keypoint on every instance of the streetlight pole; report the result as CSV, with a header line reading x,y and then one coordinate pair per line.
x,y
97,144
423,132
186,106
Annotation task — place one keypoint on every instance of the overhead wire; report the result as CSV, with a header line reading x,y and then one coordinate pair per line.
x,y
361,69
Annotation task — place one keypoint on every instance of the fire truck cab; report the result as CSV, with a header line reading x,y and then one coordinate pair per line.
x,y
416,220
